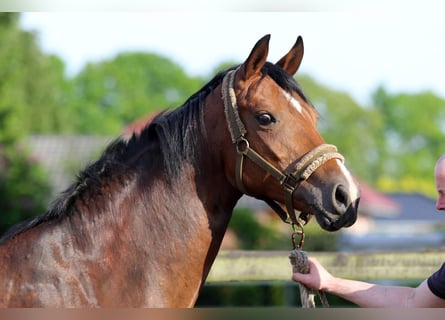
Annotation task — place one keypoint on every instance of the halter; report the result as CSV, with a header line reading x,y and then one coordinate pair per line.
x,y
303,169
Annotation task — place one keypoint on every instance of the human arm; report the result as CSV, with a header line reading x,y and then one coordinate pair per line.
x,y
367,294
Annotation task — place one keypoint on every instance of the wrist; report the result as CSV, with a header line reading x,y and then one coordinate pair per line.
x,y
330,285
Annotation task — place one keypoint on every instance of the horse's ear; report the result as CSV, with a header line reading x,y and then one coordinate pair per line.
x,y
257,58
292,60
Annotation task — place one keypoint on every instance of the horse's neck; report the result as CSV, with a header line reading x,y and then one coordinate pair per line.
x,y
201,203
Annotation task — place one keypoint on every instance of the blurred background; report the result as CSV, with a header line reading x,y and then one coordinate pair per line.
x,y
72,82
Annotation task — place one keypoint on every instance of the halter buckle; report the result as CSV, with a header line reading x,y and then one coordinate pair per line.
x,y
290,182
242,145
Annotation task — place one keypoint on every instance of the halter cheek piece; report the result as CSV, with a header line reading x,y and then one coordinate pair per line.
x,y
310,162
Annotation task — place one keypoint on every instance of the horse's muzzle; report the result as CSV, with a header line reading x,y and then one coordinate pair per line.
x,y
345,216
334,208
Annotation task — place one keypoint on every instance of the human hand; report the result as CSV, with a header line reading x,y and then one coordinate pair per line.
x,y
318,277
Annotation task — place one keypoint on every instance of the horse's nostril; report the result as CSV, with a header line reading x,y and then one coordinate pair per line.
x,y
340,198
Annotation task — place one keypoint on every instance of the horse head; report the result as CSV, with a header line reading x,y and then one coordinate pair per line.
x,y
277,152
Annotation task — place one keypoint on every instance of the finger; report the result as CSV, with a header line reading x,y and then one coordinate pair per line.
x,y
299,277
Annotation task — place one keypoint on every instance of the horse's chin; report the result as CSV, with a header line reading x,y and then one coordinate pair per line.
x,y
332,222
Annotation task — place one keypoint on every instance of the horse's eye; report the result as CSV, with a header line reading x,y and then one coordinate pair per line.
x,y
265,119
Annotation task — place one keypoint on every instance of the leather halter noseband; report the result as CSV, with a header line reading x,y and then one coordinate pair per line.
x,y
290,181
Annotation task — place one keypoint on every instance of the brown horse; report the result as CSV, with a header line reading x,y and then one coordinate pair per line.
x,y
143,224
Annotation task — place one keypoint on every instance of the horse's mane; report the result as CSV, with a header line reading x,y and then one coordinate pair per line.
x,y
175,131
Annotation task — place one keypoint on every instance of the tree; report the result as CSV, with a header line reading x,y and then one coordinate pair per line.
x,y
23,185
411,139
110,94
32,84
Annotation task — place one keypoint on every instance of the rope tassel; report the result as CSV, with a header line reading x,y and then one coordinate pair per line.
x,y
299,262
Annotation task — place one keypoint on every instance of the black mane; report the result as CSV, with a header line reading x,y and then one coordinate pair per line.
x,y
177,133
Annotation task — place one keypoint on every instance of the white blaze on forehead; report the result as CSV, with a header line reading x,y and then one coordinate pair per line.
x,y
353,188
294,102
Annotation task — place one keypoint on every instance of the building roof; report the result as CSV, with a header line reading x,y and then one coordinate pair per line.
x,y
418,226
64,156
415,206
375,203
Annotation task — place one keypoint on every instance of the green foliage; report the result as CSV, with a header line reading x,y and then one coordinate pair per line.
x,y
253,295
8,19
108,95
250,232
23,183
31,83
318,239
411,140
24,187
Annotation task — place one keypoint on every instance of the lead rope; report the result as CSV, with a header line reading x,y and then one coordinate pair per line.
x,y
299,261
